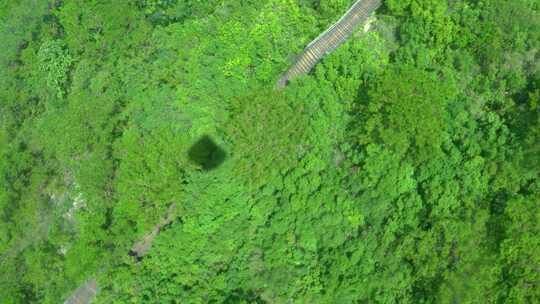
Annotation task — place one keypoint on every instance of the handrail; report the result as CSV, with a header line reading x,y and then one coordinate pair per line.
x,y
330,39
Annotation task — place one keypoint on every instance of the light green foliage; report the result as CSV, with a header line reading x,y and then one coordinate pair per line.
x,y
404,169
55,63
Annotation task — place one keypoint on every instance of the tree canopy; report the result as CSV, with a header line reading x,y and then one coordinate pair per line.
x,y
404,169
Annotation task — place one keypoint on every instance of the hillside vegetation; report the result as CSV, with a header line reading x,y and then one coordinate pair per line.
x,y
404,169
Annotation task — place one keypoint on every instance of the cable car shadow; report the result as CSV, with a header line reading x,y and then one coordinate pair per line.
x,y
207,154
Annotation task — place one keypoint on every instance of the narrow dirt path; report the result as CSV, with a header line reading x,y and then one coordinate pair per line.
x,y
89,289
141,248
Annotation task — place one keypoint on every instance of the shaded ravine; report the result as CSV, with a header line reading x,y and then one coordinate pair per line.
x,y
330,39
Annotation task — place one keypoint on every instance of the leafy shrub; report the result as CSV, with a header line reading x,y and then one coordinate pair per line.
x,y
55,63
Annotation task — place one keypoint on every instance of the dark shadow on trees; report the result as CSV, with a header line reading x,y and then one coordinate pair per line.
x,y
206,153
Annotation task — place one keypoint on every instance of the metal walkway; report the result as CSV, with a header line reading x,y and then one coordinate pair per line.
x,y
330,39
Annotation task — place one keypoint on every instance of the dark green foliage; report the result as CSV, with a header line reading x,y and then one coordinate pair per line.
x,y
407,112
169,11
206,153
404,169
267,134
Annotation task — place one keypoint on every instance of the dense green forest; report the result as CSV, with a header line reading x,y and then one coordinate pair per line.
x,y
404,169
